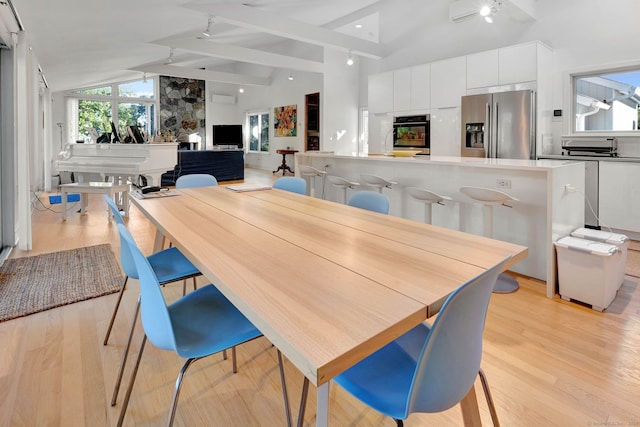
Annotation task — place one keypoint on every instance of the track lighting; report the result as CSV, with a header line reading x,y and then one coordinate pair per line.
x,y
489,11
170,58
349,59
290,76
144,77
207,32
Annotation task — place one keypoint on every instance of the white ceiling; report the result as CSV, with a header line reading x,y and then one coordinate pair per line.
x,y
82,43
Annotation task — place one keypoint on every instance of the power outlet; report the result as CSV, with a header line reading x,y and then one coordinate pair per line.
x,y
503,183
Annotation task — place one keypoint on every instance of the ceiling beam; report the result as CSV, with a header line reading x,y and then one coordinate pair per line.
x,y
199,74
243,54
258,20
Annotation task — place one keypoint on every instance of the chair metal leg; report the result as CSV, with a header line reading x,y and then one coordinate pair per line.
x,y
176,391
195,284
115,311
487,395
123,363
125,403
303,401
285,394
184,287
399,423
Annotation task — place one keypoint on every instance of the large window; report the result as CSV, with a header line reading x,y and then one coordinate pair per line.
x,y
258,124
607,101
124,104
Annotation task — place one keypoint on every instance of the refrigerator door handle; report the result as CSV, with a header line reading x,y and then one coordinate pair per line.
x,y
487,134
495,136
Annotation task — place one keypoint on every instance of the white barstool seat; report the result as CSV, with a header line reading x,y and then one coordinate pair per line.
x,y
428,198
490,198
310,172
376,181
342,185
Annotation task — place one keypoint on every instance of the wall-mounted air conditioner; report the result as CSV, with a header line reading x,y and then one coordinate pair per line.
x,y
463,10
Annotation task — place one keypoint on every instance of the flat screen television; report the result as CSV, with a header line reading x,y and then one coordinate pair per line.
x,y
227,135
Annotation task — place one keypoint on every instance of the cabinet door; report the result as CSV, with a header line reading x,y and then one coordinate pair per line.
x,y
381,93
402,89
448,82
518,63
445,131
482,69
420,80
620,195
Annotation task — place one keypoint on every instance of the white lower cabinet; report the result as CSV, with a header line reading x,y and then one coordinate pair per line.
x,y
619,193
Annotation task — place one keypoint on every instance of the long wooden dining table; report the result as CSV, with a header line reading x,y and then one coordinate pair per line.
x,y
326,283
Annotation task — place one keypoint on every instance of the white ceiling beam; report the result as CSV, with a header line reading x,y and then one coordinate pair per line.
x,y
523,10
199,74
255,19
243,54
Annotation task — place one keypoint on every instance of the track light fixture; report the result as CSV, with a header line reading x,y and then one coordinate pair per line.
x,y
144,77
170,58
489,11
290,76
349,59
207,32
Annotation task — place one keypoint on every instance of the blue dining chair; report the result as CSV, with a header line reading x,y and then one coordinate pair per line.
x,y
370,200
292,184
430,368
196,180
169,265
199,324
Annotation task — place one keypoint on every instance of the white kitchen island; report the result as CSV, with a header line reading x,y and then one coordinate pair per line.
x,y
545,210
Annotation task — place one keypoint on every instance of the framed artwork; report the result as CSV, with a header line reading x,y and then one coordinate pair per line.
x,y
285,120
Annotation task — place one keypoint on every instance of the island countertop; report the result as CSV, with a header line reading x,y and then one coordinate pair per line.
x,y
479,162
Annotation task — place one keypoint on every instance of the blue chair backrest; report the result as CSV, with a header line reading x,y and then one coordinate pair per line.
x,y
196,180
114,209
156,320
450,359
370,200
291,183
126,260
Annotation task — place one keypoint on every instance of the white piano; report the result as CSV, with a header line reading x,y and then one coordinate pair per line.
x,y
119,160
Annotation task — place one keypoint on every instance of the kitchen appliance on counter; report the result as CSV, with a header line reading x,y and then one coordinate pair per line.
x,y
589,146
412,133
499,125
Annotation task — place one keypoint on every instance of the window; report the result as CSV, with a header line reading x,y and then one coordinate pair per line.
x,y
258,124
607,101
124,104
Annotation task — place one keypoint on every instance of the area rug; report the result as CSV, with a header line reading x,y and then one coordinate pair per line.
x,y
32,284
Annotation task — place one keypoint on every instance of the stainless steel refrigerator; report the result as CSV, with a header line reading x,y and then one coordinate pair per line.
x,y
499,125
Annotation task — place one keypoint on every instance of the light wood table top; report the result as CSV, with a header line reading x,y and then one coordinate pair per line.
x,y
327,284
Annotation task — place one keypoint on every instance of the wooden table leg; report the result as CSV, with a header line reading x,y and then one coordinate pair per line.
x,y
470,411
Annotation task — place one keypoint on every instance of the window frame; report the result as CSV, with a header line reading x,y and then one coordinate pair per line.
x,y
151,105
572,79
247,144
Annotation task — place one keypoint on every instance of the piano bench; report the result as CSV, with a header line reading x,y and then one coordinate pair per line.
x,y
86,188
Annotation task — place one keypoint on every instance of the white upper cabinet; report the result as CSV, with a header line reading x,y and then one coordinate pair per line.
x,y
518,63
411,88
482,69
402,89
380,92
448,82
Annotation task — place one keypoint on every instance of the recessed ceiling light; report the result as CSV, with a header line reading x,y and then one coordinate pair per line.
x,y
241,90
358,25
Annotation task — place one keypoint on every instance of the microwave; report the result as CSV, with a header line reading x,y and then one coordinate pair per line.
x,y
412,133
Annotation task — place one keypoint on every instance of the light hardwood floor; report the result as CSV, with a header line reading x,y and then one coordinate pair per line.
x,y
549,362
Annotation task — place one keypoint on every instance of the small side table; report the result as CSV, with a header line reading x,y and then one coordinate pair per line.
x,y
284,167
85,188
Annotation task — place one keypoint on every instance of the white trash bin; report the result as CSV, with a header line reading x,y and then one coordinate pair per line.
x,y
588,271
619,240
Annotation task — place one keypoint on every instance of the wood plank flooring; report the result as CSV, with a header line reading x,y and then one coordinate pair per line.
x,y
549,362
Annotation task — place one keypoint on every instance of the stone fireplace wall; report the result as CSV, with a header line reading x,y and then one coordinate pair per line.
x,y
182,107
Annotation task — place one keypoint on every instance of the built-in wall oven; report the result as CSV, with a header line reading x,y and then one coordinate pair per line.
x,y
412,133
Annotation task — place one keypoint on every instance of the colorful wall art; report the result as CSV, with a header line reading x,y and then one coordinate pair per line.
x,y
285,120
